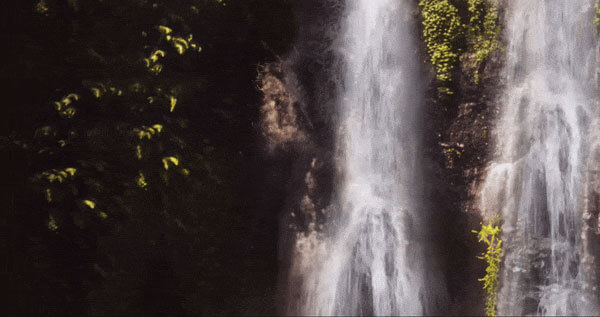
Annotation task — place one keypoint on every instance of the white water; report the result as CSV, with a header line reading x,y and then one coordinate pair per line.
x,y
370,259
537,180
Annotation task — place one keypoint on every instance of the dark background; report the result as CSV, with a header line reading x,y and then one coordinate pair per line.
x,y
188,243
200,237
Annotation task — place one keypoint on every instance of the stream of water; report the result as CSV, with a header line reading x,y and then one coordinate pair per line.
x,y
537,180
370,260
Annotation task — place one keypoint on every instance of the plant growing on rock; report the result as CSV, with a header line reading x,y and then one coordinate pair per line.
x,y
490,234
483,32
597,18
441,30
449,40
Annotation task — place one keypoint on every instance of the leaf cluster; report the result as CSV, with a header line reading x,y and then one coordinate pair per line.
x,y
447,37
597,17
111,170
441,30
483,31
490,235
131,146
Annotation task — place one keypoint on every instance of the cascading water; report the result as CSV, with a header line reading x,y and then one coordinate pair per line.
x,y
537,182
371,256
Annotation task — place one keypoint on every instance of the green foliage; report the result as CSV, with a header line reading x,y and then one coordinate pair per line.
x,y
141,181
447,38
179,43
597,18
113,194
490,235
100,90
483,32
169,159
65,106
172,103
147,132
89,203
441,30
52,224
114,125
41,7
453,150
152,63
58,175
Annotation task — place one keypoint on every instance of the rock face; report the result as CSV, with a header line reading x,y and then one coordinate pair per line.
x,y
296,121
458,146
279,119
591,219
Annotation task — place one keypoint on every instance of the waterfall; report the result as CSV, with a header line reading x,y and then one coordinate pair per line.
x,y
537,182
371,256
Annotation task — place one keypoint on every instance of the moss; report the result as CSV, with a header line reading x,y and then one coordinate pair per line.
x,y
483,33
490,234
446,38
441,30
597,18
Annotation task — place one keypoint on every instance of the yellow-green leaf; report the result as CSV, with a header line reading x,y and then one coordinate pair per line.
x,y
168,159
164,29
173,102
52,224
73,96
180,49
138,152
180,44
141,180
90,203
48,195
156,69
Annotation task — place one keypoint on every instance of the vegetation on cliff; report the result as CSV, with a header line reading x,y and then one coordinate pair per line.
x,y
490,235
597,8
483,33
454,34
441,31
